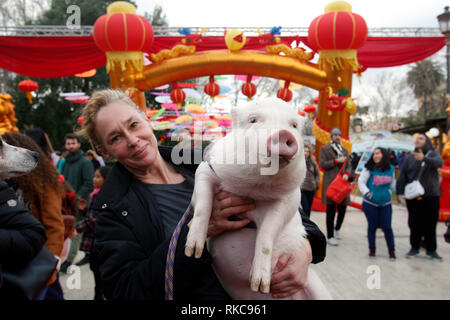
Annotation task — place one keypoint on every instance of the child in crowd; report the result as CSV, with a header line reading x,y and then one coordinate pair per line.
x,y
87,227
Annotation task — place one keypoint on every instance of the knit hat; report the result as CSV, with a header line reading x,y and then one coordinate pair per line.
x,y
335,131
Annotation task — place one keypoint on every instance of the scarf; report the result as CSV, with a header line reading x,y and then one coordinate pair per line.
x,y
337,148
93,193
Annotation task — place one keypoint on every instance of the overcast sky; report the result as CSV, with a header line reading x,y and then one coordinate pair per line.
x,y
292,13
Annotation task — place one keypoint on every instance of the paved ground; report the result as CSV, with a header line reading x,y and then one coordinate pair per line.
x,y
347,271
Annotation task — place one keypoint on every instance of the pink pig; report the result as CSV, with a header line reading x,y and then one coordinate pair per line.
x,y
261,158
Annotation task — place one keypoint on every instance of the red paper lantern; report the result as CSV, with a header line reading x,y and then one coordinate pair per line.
x,y
80,120
123,35
249,88
28,86
310,108
212,89
177,95
337,34
284,93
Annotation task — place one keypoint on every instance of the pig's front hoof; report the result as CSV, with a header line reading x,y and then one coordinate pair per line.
x,y
188,251
259,282
192,248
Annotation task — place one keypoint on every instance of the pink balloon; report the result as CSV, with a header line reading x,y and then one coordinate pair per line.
x,y
165,86
169,106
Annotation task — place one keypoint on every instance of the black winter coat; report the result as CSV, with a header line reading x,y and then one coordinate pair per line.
x,y
132,250
21,235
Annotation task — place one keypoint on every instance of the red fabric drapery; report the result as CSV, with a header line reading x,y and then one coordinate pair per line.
x,y
54,57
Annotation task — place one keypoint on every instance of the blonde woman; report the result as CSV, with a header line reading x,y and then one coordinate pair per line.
x,y
141,202
311,182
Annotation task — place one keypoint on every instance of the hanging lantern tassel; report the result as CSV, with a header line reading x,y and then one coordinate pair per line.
x,y
249,88
28,86
30,97
284,93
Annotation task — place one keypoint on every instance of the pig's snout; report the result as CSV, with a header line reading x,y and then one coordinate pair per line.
x,y
283,144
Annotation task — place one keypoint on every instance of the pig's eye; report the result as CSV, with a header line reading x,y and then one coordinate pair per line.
x,y
252,120
294,125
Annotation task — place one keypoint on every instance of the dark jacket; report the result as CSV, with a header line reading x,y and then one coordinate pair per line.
x,y
429,178
132,250
79,171
21,235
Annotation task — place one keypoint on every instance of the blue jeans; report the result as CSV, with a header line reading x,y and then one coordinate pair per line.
x,y
379,217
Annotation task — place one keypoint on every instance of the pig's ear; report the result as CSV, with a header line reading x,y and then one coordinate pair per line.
x,y
235,116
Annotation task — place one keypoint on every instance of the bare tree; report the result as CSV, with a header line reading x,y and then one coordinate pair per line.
x,y
19,12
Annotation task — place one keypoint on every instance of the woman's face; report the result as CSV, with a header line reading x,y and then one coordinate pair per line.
x,y
126,136
307,152
98,179
377,156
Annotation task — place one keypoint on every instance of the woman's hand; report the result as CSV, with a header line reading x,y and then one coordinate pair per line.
x,y
226,205
291,272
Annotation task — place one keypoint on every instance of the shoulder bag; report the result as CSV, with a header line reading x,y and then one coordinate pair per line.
x,y
339,188
415,189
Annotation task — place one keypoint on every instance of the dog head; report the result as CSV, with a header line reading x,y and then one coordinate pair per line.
x,y
16,161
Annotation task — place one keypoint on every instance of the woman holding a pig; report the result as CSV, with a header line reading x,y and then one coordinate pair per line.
x,y
141,202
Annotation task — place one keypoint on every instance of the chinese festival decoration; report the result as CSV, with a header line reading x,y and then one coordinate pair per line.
x,y
123,36
337,35
28,86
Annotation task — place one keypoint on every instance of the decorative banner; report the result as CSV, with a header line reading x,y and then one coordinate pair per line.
x,y
156,114
195,108
243,77
163,87
71,94
191,93
78,99
224,90
160,93
163,99
187,85
170,106
86,74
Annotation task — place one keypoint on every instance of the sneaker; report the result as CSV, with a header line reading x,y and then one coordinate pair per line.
x,y
372,253
64,266
434,256
412,253
337,234
83,261
332,242
392,256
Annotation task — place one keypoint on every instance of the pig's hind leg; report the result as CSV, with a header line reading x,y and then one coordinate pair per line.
x,y
202,201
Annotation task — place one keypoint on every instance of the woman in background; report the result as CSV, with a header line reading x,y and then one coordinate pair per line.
x,y
311,182
375,183
41,193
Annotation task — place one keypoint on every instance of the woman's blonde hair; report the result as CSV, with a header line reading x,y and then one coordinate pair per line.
x,y
311,156
99,100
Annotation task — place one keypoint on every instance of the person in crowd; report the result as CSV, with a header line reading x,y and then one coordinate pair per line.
x,y
375,183
332,157
400,158
78,171
311,182
142,201
22,236
41,193
97,157
423,212
42,140
95,162
87,227
62,159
